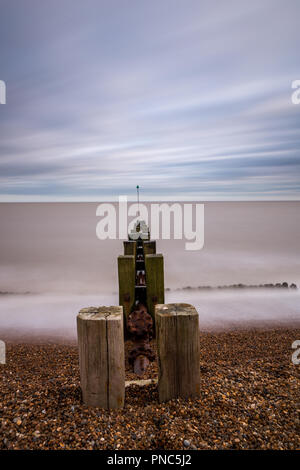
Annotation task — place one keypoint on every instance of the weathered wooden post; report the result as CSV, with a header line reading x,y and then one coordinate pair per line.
x,y
2,352
177,331
126,275
149,247
101,356
129,247
155,281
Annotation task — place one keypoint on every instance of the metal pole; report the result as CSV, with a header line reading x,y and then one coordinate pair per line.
x,y
138,198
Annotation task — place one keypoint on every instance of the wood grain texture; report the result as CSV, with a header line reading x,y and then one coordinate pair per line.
x,y
129,247
149,247
101,356
126,275
177,331
116,356
155,281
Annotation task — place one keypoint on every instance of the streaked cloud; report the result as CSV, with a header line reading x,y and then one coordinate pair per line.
x,y
183,98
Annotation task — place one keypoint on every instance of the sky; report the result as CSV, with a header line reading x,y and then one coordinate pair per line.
x,y
186,98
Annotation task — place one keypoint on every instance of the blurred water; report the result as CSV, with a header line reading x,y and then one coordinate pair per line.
x,y
55,315
51,250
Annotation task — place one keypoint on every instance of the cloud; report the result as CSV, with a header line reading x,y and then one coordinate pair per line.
x,y
183,99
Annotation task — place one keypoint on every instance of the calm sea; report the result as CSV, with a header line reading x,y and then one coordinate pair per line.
x,y
52,264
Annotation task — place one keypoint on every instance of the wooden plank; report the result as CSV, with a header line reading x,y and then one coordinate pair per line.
x,y
154,265
188,353
101,356
2,352
126,275
129,247
166,334
116,356
177,333
149,247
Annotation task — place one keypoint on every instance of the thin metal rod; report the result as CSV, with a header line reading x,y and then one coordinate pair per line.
x,y
138,198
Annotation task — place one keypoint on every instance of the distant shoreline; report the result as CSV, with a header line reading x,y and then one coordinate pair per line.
x,y
278,285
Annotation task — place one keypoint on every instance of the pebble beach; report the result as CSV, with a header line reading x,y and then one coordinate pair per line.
x,y
249,398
